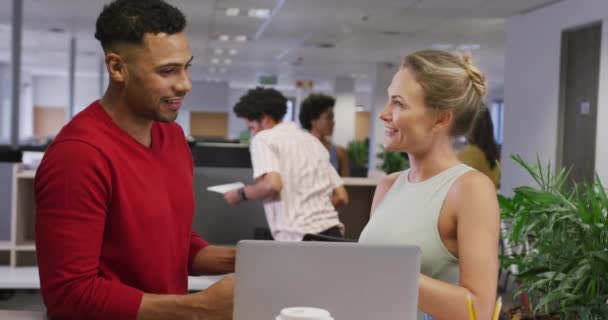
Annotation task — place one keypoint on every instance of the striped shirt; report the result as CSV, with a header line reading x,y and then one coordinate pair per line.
x,y
304,204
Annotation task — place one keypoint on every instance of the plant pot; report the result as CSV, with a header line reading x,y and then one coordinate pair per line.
x,y
358,172
521,313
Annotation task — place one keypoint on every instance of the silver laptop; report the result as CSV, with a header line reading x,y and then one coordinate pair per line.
x,y
350,280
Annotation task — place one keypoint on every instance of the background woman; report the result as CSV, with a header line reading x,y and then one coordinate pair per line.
x,y
482,153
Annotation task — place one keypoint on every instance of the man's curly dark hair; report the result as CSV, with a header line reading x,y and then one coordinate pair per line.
x,y
129,20
260,101
312,108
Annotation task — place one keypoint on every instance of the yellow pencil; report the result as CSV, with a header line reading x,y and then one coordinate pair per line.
x,y
497,308
471,308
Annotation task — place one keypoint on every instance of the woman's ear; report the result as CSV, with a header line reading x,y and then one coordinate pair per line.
x,y
117,70
444,119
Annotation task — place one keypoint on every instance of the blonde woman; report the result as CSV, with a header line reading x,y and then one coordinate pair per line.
x,y
446,208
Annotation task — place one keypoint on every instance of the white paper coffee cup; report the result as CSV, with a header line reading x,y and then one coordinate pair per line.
x,y
304,313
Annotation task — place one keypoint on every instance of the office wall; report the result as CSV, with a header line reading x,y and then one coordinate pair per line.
x,y
235,125
53,91
209,97
533,45
344,111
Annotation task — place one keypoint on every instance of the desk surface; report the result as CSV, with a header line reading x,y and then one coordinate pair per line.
x,y
22,315
27,278
354,181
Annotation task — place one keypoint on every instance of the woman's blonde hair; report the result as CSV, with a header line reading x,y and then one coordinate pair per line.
x,y
450,83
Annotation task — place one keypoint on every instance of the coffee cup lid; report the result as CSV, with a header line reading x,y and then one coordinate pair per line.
x,y
304,313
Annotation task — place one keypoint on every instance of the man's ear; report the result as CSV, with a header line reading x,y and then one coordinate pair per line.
x,y
117,69
266,121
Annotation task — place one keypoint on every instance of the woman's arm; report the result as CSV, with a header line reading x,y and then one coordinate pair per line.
x,y
473,199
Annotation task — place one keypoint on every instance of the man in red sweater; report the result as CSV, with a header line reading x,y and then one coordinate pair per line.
x,y
114,196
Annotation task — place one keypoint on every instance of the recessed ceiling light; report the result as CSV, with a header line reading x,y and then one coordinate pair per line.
x,y
233,52
355,75
218,51
442,46
222,70
215,60
227,61
240,38
259,13
223,37
469,46
233,12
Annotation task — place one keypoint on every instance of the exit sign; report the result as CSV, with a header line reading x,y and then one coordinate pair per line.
x,y
268,79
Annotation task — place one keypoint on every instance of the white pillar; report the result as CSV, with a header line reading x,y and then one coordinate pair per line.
x,y
384,76
344,111
5,105
26,114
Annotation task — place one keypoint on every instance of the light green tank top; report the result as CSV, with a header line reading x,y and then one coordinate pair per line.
x,y
409,214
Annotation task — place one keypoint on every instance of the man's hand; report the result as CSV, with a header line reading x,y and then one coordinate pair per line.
x,y
218,300
232,197
214,303
339,197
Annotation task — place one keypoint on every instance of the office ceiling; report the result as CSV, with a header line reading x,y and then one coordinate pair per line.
x,y
302,39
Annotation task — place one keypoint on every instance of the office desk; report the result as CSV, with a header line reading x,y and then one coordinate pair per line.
x,y
27,278
355,215
22,315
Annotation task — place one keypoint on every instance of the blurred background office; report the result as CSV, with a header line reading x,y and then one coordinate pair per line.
x,y
51,67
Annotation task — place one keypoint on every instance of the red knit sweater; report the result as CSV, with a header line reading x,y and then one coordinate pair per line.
x,y
113,218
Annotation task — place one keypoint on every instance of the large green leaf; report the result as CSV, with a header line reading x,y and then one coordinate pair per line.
x,y
551,297
602,255
538,196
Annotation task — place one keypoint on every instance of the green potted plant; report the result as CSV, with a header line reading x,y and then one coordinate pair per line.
x,y
392,161
564,270
357,158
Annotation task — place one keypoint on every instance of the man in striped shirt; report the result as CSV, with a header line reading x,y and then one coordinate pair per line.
x,y
292,171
